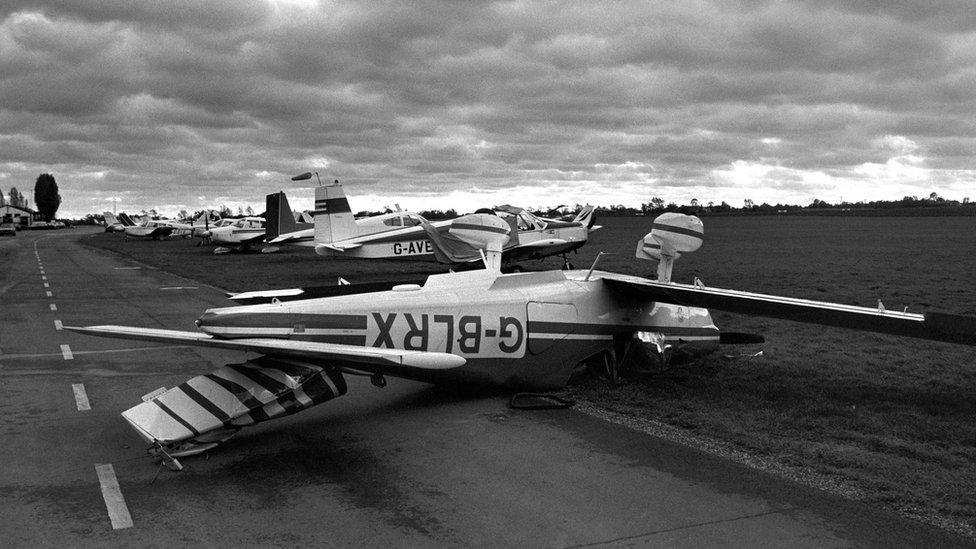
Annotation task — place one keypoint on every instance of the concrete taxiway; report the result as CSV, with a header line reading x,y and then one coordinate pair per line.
x,y
407,465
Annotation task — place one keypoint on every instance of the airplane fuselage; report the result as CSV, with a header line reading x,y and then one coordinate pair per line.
x,y
557,319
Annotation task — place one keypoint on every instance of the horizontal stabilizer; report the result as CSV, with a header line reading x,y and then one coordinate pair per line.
x,y
212,407
384,360
934,326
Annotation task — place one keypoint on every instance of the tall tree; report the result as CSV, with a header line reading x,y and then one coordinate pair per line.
x,y
15,197
46,196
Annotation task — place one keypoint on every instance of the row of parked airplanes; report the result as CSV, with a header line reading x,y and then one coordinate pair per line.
x,y
332,230
475,327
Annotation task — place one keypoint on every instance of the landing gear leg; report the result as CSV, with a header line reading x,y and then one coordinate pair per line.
x,y
171,462
610,366
567,266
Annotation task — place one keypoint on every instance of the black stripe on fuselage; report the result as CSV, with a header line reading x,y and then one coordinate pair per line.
x,y
264,320
538,327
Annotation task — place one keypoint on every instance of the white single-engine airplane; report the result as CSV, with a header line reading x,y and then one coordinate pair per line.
x,y
522,330
408,236
239,234
150,228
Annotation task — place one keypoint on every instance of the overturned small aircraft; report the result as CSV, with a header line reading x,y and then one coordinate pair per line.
x,y
522,330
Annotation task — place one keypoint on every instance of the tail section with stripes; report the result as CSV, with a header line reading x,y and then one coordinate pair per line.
x,y
334,221
198,414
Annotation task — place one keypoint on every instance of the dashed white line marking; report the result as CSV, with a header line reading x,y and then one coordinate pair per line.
x,y
54,307
49,294
46,285
66,352
81,397
126,268
118,513
58,326
178,288
43,277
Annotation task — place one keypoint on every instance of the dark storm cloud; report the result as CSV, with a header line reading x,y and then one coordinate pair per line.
x,y
177,100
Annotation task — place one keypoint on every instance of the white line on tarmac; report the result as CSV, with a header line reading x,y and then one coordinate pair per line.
x,y
54,307
28,356
178,288
49,294
118,513
46,285
126,268
43,277
58,326
66,352
81,397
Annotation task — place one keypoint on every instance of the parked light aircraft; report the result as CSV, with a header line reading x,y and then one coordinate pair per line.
x,y
112,223
241,234
408,236
479,327
150,228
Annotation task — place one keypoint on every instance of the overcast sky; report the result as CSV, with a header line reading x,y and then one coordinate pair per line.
x,y
182,104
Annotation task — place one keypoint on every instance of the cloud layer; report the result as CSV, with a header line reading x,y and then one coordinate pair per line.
x,y
186,104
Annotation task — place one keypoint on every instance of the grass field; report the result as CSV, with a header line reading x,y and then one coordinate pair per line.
x,y
891,421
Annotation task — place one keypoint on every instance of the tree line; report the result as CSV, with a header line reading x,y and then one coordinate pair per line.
x,y
657,206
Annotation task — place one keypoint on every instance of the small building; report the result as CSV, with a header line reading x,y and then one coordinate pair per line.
x,y
21,217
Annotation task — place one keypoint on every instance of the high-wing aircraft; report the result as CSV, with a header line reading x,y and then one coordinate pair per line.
x,y
240,234
526,330
408,236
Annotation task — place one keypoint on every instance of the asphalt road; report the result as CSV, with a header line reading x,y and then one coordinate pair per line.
x,y
407,465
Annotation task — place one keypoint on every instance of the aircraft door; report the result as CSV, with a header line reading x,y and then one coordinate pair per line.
x,y
549,323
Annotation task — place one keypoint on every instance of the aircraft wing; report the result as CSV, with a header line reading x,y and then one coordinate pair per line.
x,y
930,325
374,359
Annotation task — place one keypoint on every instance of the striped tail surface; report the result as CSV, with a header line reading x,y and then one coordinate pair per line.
x,y
234,396
334,221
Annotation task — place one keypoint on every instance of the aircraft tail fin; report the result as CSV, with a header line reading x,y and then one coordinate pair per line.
x,y
334,221
207,217
126,220
586,217
110,219
278,216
